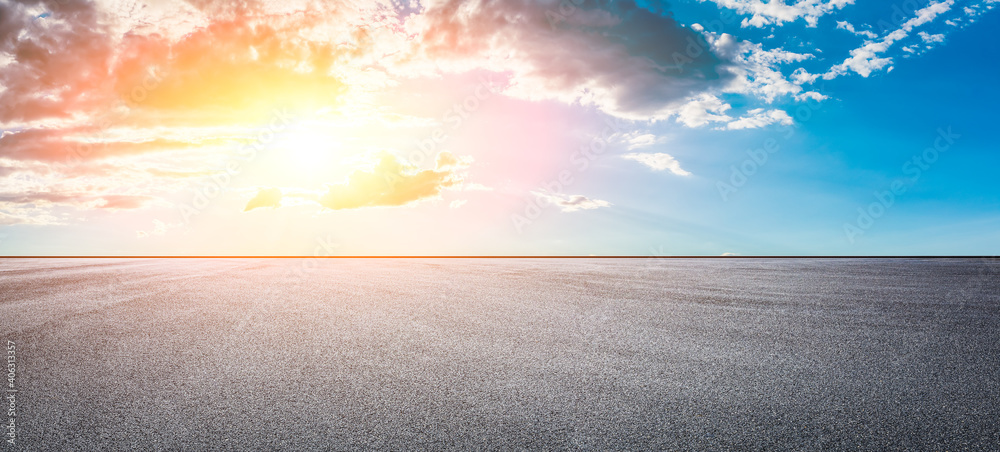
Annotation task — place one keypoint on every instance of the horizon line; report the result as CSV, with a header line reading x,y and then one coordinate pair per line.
x,y
499,257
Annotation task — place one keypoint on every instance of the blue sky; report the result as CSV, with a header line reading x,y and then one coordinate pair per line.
x,y
814,128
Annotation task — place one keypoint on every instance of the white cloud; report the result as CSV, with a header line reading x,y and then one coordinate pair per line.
x,y
866,59
570,203
659,162
975,10
638,140
811,95
844,25
703,110
758,117
972,13
758,71
929,38
776,12
801,76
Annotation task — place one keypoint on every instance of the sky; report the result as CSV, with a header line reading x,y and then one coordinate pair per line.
x,y
516,127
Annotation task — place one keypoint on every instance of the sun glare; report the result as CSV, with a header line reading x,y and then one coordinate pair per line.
x,y
309,148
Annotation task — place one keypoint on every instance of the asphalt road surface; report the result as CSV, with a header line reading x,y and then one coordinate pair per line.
x,y
291,354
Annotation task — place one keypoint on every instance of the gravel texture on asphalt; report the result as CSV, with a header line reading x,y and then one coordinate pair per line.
x,y
511,354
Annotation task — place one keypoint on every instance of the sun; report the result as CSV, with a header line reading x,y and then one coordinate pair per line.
x,y
309,147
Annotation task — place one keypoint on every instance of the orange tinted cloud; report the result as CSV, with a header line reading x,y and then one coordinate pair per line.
x,y
266,197
233,71
390,182
48,145
59,61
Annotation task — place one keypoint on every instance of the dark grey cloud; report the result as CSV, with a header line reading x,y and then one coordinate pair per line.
x,y
623,58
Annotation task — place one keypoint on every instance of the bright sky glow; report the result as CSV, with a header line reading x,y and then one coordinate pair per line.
x,y
516,127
